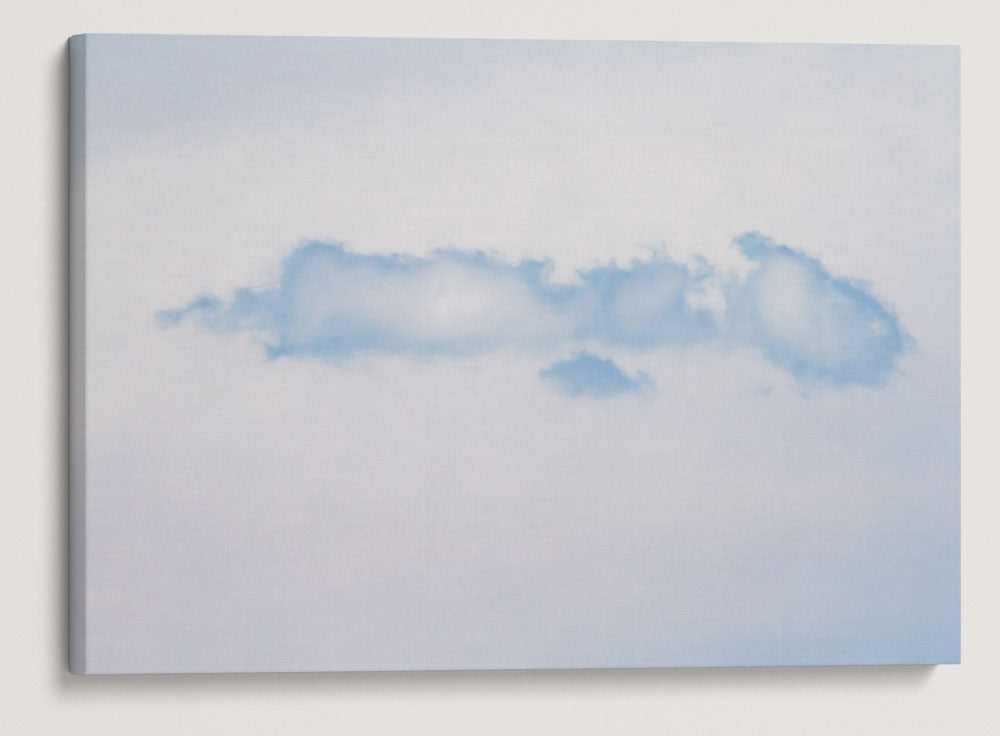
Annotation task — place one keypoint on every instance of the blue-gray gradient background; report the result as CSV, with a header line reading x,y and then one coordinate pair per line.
x,y
485,354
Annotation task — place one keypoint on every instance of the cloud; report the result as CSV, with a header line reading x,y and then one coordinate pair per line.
x,y
821,329
589,375
331,303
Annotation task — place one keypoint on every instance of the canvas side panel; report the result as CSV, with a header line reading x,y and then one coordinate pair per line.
x,y
77,355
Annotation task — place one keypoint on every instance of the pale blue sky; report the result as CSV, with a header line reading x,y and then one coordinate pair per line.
x,y
782,490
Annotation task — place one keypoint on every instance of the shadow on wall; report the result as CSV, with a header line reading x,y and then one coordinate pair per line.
x,y
705,679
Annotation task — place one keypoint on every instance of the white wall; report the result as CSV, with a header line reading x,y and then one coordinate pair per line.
x,y
39,696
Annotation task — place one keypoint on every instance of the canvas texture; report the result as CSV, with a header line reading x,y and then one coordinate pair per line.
x,y
396,354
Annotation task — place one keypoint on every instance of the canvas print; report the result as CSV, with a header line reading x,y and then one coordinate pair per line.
x,y
395,354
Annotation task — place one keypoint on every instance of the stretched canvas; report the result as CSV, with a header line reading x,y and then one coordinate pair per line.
x,y
476,354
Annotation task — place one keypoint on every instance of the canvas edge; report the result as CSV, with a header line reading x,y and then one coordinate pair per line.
x,y
77,376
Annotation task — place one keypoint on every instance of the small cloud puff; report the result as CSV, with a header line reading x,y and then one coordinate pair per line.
x,y
589,375
331,303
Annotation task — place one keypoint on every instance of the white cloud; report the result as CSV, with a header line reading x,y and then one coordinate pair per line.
x,y
332,303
